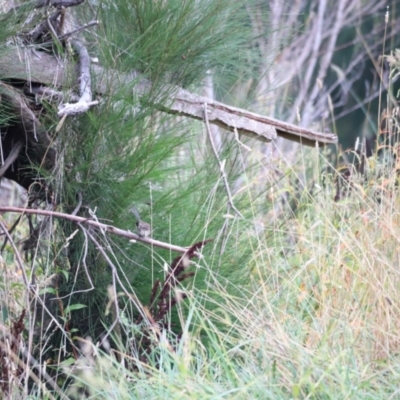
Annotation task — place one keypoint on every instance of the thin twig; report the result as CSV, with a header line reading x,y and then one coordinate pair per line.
x,y
221,166
77,30
49,94
107,228
115,277
79,205
53,33
85,252
10,231
115,310
32,375
31,360
42,28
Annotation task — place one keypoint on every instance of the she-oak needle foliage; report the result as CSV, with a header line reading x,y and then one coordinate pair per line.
x,y
125,152
321,318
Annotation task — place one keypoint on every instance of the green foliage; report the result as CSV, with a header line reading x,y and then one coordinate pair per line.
x,y
126,152
6,115
173,40
12,21
296,301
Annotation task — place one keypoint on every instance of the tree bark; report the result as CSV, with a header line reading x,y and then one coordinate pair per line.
x,y
42,68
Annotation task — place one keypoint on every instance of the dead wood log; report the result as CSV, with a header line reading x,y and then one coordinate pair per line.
x,y
42,68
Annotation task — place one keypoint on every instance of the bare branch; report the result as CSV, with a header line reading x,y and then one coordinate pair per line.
x,y
247,123
85,85
51,94
73,32
107,228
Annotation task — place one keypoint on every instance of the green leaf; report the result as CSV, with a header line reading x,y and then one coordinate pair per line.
x,y
68,362
48,290
74,307
65,273
296,391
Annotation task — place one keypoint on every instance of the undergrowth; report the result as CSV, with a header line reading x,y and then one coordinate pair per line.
x,y
298,299
318,318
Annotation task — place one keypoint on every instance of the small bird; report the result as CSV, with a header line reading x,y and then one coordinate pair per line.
x,y
143,228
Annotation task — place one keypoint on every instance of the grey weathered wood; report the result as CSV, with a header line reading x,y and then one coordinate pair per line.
x,y
43,68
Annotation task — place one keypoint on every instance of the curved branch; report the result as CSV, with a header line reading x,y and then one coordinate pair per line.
x,y
85,85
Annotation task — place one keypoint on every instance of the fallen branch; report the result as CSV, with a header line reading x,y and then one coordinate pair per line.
x,y
50,94
107,228
85,85
45,69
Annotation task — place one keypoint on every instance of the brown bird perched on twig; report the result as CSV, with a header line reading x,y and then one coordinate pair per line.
x,y
143,228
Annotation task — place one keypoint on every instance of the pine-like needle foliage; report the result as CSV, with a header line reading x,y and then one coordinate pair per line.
x,y
126,152
174,41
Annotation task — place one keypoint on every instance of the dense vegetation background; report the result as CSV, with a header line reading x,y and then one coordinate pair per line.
x,y
296,295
